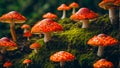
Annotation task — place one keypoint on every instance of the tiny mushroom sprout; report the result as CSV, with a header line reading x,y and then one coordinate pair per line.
x,y
26,27
74,5
63,7
103,63
50,15
35,46
46,26
27,62
7,45
109,5
102,40
84,14
7,64
27,34
62,57
12,18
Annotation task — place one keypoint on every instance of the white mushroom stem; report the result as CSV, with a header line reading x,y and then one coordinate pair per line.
x,y
25,30
73,11
47,37
112,14
35,50
27,64
85,23
28,38
100,51
62,64
64,14
3,50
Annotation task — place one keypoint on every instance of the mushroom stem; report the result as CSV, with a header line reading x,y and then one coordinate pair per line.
x,y
47,37
27,64
28,38
62,64
12,30
35,50
25,30
112,14
100,51
64,14
73,11
3,50
85,23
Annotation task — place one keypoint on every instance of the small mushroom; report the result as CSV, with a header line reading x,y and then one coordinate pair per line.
x,y
63,7
27,34
26,27
46,26
27,62
50,15
12,18
84,14
74,5
7,64
103,63
62,57
35,46
102,40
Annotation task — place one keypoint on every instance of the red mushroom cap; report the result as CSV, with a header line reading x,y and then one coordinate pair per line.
x,y
35,45
8,44
25,26
102,40
45,26
49,15
103,63
62,56
84,13
12,16
74,5
117,3
63,7
27,34
7,64
26,61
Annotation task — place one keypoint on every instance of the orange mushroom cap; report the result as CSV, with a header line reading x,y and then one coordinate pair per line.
x,y
74,5
49,15
7,64
117,3
102,40
45,26
84,13
26,61
106,4
103,63
63,7
35,45
27,34
8,44
25,26
12,16
62,56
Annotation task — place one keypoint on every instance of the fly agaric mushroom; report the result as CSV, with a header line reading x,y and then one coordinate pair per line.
x,y
73,5
35,46
46,26
63,7
102,40
7,64
7,44
84,14
50,15
27,62
26,27
103,63
62,57
12,18
27,34
109,5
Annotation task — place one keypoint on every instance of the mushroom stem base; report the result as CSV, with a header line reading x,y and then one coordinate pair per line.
x,y
62,64
85,23
112,15
100,51
64,14
47,37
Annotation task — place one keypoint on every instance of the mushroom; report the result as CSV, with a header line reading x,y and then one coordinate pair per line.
x,y
84,14
7,64
109,5
26,27
62,57
74,5
63,7
103,63
102,40
27,34
35,46
27,62
7,45
50,15
46,26
12,18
